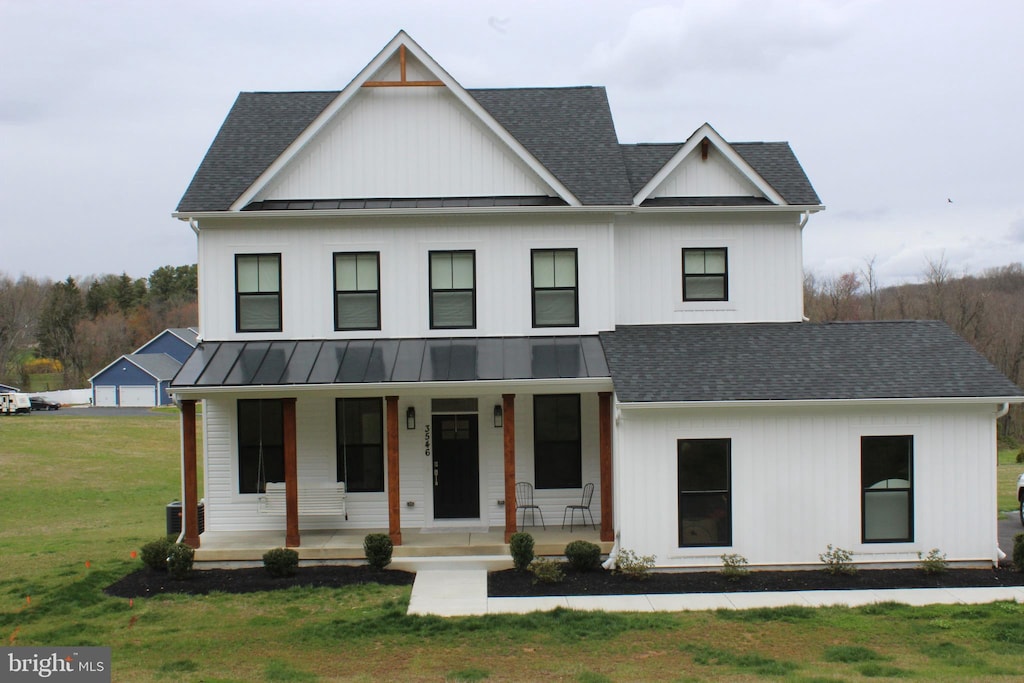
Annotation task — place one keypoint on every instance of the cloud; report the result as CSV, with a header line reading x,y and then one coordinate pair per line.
x,y
725,36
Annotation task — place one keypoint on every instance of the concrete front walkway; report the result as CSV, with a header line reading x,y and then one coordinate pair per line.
x,y
463,592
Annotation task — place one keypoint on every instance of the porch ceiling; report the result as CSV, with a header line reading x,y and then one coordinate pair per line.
x,y
320,362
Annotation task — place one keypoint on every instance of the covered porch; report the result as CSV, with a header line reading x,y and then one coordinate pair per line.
x,y
327,545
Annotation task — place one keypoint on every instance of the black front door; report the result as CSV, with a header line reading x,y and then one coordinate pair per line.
x,y
456,467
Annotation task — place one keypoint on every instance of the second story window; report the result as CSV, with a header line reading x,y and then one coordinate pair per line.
x,y
555,294
258,292
705,275
357,291
452,289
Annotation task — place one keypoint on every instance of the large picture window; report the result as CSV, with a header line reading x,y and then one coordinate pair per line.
x,y
260,444
357,291
555,292
886,474
557,456
452,289
258,292
705,275
360,427
705,492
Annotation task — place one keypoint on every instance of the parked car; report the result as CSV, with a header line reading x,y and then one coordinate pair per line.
x,y
1020,496
40,403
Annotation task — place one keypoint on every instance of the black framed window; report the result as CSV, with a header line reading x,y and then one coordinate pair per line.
x,y
357,291
258,292
705,274
260,444
360,427
557,453
555,291
705,492
887,491
452,289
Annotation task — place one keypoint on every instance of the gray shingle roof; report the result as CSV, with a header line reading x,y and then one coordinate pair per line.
x,y
798,361
569,130
159,365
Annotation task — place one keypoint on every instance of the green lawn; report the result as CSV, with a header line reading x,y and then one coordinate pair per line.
x,y
79,493
1008,471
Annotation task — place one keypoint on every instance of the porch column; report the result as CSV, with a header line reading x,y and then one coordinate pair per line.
x,y
190,506
394,494
291,476
508,411
604,410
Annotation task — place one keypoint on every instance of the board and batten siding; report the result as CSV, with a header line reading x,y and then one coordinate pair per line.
x,y
714,177
764,269
405,142
227,510
796,482
503,281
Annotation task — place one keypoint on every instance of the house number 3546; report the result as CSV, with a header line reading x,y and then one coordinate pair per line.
x,y
426,440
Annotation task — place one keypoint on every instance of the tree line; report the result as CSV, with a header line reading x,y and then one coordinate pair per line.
x,y
987,310
75,328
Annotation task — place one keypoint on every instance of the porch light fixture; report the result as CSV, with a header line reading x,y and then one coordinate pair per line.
x,y
498,417
410,418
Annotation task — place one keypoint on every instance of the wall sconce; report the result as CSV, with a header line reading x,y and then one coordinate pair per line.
x,y
498,417
410,418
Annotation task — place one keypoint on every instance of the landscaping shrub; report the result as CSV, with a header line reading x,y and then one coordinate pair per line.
x,y
838,561
179,560
154,554
378,549
1018,552
934,562
632,565
583,556
521,547
281,562
546,571
734,567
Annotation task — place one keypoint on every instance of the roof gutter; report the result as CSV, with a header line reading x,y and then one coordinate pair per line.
x,y
1004,402
192,217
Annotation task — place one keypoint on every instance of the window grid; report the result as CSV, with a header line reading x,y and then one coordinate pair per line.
x,y
357,291
706,274
360,443
260,444
705,492
887,489
555,277
258,292
557,448
452,289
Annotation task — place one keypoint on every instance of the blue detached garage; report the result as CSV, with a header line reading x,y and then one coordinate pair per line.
x,y
141,378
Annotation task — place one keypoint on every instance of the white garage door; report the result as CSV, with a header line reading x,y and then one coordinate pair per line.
x,y
106,396
138,396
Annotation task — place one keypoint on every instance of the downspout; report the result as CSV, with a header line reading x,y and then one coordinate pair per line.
x,y
803,222
194,224
1003,410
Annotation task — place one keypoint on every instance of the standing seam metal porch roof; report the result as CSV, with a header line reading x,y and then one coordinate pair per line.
x,y
307,362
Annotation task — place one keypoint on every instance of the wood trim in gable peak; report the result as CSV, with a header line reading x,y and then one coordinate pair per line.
x,y
403,81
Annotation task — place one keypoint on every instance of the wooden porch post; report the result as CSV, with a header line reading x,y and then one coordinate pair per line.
x,y
508,410
605,445
190,506
291,476
394,494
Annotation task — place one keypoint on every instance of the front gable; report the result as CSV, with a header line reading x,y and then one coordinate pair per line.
x,y
404,128
708,167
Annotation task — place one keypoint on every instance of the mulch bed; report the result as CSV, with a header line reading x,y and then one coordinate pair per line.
x,y
145,583
512,583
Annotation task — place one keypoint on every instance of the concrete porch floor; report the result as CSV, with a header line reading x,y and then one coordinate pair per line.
x,y
419,546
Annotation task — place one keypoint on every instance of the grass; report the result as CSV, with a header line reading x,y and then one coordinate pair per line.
x,y
79,493
1007,472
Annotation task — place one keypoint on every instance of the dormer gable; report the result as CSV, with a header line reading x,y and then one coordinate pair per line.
x,y
707,169
404,128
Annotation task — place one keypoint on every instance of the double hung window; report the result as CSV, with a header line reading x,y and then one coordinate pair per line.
x,y
705,492
887,493
705,275
258,292
452,289
357,291
557,453
260,444
360,428
555,292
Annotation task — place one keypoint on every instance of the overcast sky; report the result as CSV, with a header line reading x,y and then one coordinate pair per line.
x,y
905,115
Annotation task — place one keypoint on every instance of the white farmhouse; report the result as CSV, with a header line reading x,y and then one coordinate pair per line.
x,y
414,296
